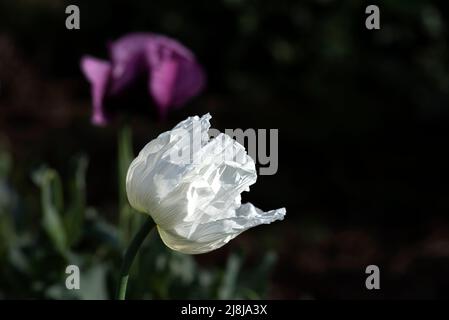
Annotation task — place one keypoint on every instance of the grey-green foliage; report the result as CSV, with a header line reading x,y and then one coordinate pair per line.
x,y
173,275
63,230
52,205
63,224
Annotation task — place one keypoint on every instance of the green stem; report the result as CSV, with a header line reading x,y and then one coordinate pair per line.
x,y
125,156
130,254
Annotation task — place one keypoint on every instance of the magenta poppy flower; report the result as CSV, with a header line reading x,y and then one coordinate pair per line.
x,y
172,73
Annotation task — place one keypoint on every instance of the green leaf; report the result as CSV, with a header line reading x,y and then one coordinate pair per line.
x,y
75,216
52,203
228,285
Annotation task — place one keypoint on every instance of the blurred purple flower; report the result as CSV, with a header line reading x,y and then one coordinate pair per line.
x,y
174,76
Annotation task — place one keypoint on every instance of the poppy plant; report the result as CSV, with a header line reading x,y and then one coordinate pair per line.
x,y
195,204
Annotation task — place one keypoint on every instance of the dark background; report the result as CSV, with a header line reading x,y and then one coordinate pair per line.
x,y
362,118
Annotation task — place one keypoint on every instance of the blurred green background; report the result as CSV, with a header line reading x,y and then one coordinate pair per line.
x,y
363,126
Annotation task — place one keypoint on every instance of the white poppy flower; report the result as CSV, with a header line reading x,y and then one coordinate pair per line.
x,y
195,202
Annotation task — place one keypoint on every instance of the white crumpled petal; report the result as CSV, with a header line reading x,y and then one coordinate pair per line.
x,y
194,196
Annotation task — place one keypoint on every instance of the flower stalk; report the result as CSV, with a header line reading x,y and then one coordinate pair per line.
x,y
130,254
129,222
